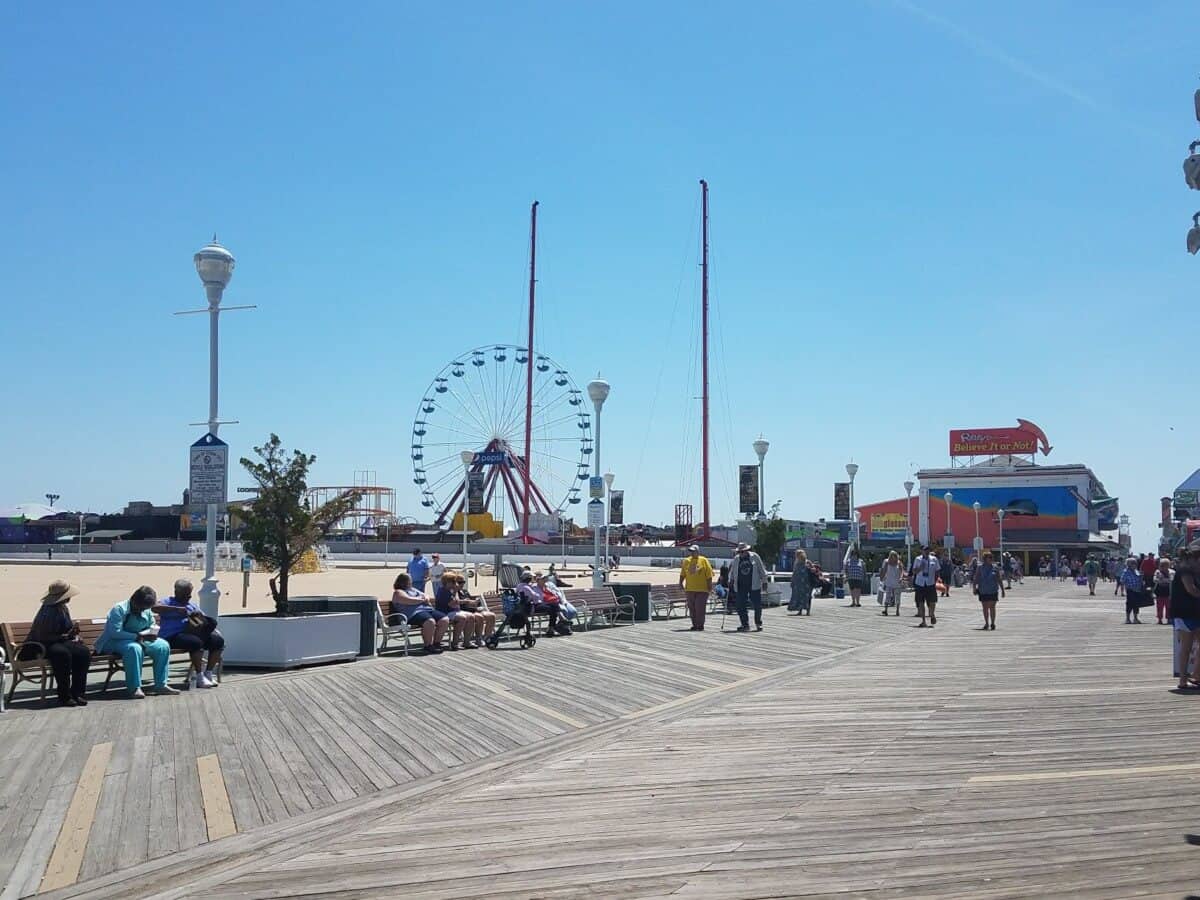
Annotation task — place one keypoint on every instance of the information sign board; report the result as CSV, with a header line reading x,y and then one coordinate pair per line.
x,y
208,470
596,514
596,487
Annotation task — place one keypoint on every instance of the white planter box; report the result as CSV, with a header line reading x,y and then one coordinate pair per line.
x,y
268,642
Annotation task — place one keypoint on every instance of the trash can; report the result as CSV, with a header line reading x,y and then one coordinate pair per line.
x,y
640,592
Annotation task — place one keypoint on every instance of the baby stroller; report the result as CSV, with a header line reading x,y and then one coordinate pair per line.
x,y
518,615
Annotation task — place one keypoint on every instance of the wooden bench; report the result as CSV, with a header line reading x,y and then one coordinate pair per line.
x,y
600,603
15,636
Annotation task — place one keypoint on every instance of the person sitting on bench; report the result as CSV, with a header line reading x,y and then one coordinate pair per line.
x,y
131,633
59,636
465,629
184,627
412,604
485,619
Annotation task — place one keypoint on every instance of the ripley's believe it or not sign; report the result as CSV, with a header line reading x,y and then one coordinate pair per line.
x,y
1026,438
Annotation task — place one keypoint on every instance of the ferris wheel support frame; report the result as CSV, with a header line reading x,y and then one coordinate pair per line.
x,y
518,482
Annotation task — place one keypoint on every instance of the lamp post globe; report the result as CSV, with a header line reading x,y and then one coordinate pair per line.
x,y
214,265
598,392
761,447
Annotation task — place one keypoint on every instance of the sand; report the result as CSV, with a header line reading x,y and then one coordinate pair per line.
x,y
101,586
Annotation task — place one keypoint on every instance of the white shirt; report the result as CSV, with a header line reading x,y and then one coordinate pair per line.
x,y
926,568
436,571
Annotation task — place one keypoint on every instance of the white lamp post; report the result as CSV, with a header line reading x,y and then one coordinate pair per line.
x,y
214,265
598,392
978,542
562,533
79,555
609,477
467,457
1000,516
760,448
908,532
852,470
949,531
387,539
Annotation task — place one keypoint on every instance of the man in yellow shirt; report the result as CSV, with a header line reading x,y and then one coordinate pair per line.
x,y
696,578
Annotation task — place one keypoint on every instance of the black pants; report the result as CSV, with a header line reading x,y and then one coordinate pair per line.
x,y
550,611
69,661
1133,602
193,643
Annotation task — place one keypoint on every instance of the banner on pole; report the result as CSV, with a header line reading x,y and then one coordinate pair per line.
x,y
208,471
841,500
748,489
616,508
475,504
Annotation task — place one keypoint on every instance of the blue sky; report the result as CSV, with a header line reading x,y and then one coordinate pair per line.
x,y
925,215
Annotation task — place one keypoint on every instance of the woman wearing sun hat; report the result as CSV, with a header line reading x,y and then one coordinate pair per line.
x,y
58,636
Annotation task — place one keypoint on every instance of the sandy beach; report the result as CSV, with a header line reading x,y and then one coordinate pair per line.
x,y
101,585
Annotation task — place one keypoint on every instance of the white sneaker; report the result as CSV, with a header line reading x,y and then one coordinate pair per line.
x,y
165,689
198,681
137,695
211,677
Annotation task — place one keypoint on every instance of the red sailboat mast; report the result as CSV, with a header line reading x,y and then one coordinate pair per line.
x,y
707,526
529,374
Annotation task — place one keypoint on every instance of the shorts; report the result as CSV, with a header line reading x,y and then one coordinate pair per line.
x,y
1162,591
855,584
426,615
988,598
1187,624
926,593
190,642
455,614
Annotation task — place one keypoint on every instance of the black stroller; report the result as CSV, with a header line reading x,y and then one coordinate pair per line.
x,y
518,615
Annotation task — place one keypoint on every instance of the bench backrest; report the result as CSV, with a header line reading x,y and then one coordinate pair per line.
x,y
592,597
16,633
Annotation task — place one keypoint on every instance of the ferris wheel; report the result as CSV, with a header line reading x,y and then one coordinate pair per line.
x,y
477,403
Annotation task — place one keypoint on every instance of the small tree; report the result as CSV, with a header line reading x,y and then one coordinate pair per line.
x,y
279,528
769,537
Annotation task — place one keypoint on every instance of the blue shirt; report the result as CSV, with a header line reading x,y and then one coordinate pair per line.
x,y
988,579
855,568
418,570
170,625
1132,579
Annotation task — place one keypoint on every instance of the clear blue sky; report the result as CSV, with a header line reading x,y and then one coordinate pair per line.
x,y
985,199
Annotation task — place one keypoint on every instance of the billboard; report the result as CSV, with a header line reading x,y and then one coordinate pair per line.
x,y
748,489
1026,508
841,500
616,508
475,502
1025,438
888,526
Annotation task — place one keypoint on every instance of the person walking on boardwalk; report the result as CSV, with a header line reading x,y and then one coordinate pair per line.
x,y
696,579
1185,614
990,586
890,577
1163,576
1131,580
804,582
856,573
749,575
1091,569
925,571
418,570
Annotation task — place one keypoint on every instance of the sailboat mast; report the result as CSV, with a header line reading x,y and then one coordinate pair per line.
x,y
529,373
704,346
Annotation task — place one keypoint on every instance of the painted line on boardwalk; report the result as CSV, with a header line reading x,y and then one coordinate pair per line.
x,y
218,815
1124,772
65,861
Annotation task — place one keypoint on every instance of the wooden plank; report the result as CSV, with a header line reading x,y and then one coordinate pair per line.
x,y
218,815
63,867
30,865
1125,772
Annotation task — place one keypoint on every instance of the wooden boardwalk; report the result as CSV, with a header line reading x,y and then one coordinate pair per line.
x,y
846,753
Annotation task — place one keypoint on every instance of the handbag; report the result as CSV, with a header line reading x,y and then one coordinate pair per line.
x,y
206,626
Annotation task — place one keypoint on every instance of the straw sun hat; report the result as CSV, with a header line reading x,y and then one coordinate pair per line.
x,y
59,592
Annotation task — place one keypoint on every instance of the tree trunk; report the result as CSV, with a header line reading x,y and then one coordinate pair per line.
x,y
281,595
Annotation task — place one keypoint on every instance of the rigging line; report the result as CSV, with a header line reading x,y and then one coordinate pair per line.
x,y
515,412
547,383
687,254
730,487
